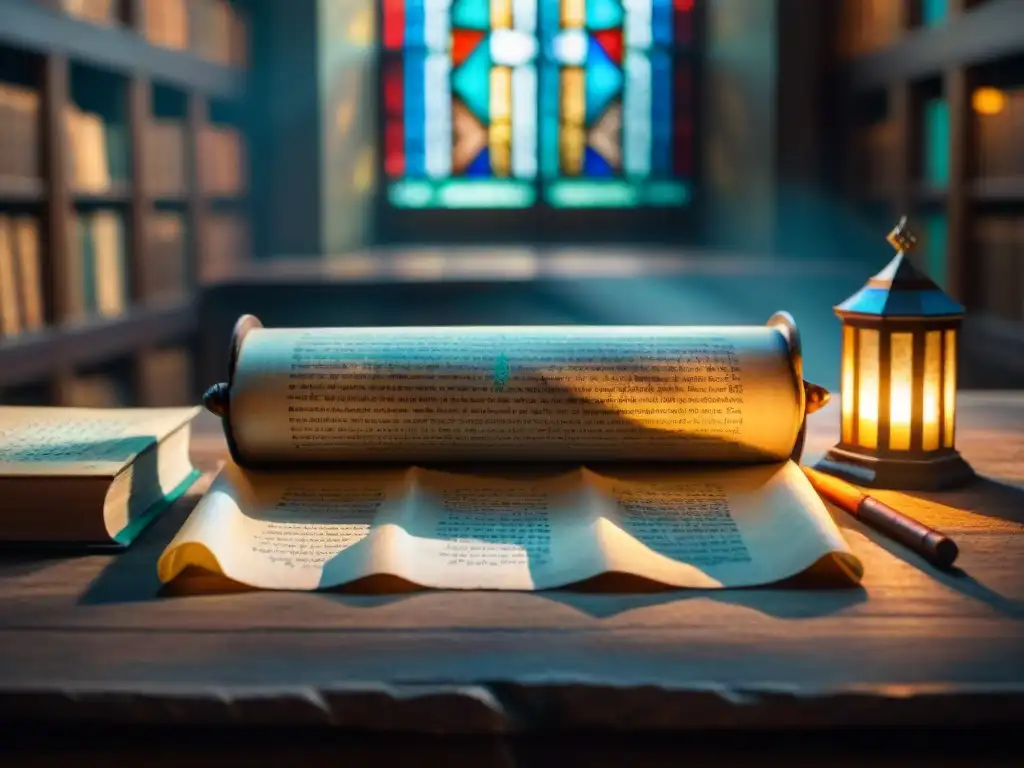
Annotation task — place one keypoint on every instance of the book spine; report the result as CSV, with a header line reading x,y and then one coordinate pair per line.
x,y
26,236
10,324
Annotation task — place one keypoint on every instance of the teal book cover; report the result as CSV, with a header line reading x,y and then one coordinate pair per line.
x,y
936,143
131,532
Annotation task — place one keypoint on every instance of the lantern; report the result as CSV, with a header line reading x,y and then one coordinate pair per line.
x,y
898,385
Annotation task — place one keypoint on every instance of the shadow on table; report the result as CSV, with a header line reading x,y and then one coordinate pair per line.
x,y
983,496
990,499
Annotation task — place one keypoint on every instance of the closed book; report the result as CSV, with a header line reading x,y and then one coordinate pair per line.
x,y
166,250
936,143
107,234
165,158
74,478
10,311
30,282
80,279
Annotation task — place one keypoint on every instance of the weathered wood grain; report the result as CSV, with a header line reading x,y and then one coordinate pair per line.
x,y
89,639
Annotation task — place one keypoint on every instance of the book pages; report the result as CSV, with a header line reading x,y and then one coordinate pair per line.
x,y
504,530
49,441
553,393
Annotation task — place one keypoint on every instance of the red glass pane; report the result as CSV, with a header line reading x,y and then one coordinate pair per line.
x,y
394,148
394,91
394,23
683,22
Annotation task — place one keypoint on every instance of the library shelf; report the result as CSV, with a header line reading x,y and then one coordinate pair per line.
x,y
50,31
986,33
32,357
118,193
1009,189
16,190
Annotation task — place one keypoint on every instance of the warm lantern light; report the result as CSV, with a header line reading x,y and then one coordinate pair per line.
x,y
899,380
988,101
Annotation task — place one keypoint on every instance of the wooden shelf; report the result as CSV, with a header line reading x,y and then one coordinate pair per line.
x,y
119,193
986,33
29,358
21,190
35,28
999,190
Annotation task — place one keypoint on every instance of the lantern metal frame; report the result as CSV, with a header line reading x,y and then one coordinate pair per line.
x,y
899,300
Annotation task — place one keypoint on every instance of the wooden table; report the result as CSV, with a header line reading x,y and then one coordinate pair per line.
x,y
88,640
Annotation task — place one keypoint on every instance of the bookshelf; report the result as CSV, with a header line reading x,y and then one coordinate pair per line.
x,y
932,101
106,108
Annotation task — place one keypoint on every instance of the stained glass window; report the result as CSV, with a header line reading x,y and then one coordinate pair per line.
x,y
507,103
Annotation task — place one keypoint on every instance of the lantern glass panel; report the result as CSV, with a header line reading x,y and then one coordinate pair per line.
x,y
867,389
949,393
932,384
901,390
849,370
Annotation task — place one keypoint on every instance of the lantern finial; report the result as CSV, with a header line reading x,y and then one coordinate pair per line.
x,y
902,238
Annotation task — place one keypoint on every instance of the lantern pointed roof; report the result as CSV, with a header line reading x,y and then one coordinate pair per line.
x,y
900,289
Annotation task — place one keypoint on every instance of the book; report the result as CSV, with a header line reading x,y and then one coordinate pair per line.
x,y
19,126
97,274
166,256
10,310
510,458
107,234
89,477
25,233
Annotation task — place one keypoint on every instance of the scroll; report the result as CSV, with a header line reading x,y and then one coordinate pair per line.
x,y
512,458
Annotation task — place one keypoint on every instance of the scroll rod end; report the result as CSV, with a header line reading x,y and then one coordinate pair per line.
x,y
215,400
817,397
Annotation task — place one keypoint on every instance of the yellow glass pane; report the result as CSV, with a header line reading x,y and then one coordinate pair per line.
x,y
572,142
901,390
574,13
846,400
500,130
867,389
501,14
949,391
932,383
573,98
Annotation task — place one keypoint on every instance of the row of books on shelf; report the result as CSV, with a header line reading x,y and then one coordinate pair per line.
x,y
98,150
998,265
97,277
866,25
221,160
212,29
162,377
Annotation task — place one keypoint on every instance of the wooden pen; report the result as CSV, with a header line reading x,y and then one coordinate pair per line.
x,y
936,547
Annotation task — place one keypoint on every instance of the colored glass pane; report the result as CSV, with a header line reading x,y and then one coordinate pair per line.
x,y
585,102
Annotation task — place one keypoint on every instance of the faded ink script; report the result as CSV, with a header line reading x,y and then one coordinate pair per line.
x,y
352,395
307,527
498,527
688,523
